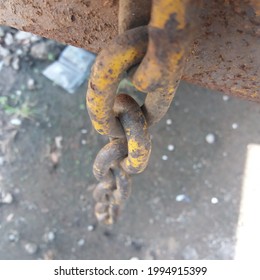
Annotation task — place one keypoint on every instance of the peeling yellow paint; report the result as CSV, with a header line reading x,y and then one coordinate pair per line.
x,y
163,9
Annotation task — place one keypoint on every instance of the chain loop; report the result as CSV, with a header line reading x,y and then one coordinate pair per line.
x,y
119,158
119,116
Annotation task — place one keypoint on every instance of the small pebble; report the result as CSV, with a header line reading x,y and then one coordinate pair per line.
x,y
19,52
40,50
81,242
7,60
170,148
18,92
182,197
15,122
2,161
14,236
21,36
16,63
9,39
51,236
168,121
31,84
35,38
7,198
91,228
225,97
83,142
164,157
214,200
134,258
4,52
84,131
10,217
58,142
234,125
31,248
210,138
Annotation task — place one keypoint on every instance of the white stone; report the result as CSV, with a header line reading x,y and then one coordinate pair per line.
x,y
7,198
15,122
51,236
90,228
31,248
39,50
31,84
22,35
84,131
164,157
2,160
10,217
19,52
168,121
180,197
4,52
81,242
234,125
9,39
210,138
214,200
171,147
83,142
13,236
225,97
16,63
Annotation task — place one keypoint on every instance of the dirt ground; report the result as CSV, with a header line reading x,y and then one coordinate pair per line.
x,y
184,206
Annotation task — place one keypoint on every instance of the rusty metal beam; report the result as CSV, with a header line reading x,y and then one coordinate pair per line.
x,y
84,23
224,56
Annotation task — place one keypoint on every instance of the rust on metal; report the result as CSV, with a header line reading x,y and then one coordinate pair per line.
x,y
126,51
119,158
171,29
133,13
136,131
224,56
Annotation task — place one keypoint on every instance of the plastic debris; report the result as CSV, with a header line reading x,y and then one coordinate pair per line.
x,y
71,69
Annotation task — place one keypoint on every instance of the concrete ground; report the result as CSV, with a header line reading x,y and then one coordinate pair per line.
x,y
184,206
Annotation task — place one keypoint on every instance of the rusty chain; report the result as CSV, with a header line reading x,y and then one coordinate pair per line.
x,y
119,116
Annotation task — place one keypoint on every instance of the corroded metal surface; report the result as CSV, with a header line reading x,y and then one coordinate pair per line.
x,y
224,56
120,158
133,13
84,23
126,51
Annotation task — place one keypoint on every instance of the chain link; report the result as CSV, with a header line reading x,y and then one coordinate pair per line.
x,y
119,116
